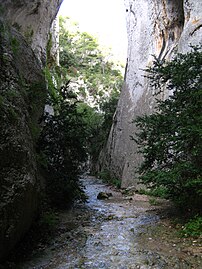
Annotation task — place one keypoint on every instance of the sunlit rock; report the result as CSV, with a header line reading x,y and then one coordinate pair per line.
x,y
159,28
33,19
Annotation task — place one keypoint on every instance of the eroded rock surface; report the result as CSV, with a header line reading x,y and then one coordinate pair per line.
x,y
21,102
159,28
24,31
33,19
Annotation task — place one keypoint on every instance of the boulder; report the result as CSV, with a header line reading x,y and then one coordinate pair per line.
x,y
104,195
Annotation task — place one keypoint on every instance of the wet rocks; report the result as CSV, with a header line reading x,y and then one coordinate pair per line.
x,y
113,234
104,195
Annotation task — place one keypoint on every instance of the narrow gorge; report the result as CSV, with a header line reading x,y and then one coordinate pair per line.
x,y
155,27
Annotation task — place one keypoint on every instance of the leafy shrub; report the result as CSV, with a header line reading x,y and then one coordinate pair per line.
x,y
62,148
96,79
156,192
193,227
83,60
170,139
106,177
78,128
68,138
153,201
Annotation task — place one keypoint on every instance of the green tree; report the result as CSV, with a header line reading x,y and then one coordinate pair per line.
x,y
92,73
62,148
171,138
94,78
78,127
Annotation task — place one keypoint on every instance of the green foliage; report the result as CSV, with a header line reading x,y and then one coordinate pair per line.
x,y
34,129
108,106
8,111
48,221
116,182
28,34
106,177
171,138
41,160
156,192
96,81
80,95
50,78
192,228
94,135
2,9
36,96
12,115
62,144
93,75
153,201
14,45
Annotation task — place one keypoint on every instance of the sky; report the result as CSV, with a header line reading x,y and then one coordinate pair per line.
x,y
104,19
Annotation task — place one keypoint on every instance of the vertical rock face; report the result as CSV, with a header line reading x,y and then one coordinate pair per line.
x,y
24,31
155,27
192,30
33,19
21,85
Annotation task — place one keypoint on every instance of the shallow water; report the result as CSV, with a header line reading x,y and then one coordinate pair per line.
x,y
102,234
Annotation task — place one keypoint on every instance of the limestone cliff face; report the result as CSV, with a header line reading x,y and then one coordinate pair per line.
x,y
33,19
24,30
155,27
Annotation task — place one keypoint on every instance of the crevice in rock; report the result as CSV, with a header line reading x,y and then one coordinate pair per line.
x,y
169,26
196,29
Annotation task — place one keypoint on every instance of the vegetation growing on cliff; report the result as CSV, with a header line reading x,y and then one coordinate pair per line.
x,y
93,75
171,138
62,143
83,93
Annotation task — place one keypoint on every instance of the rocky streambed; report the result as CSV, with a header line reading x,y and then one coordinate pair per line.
x,y
122,232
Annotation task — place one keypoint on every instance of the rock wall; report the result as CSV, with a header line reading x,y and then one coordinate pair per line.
x,y
155,27
24,33
33,19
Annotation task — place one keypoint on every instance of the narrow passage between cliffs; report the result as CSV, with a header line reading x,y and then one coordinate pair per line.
x,y
111,233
